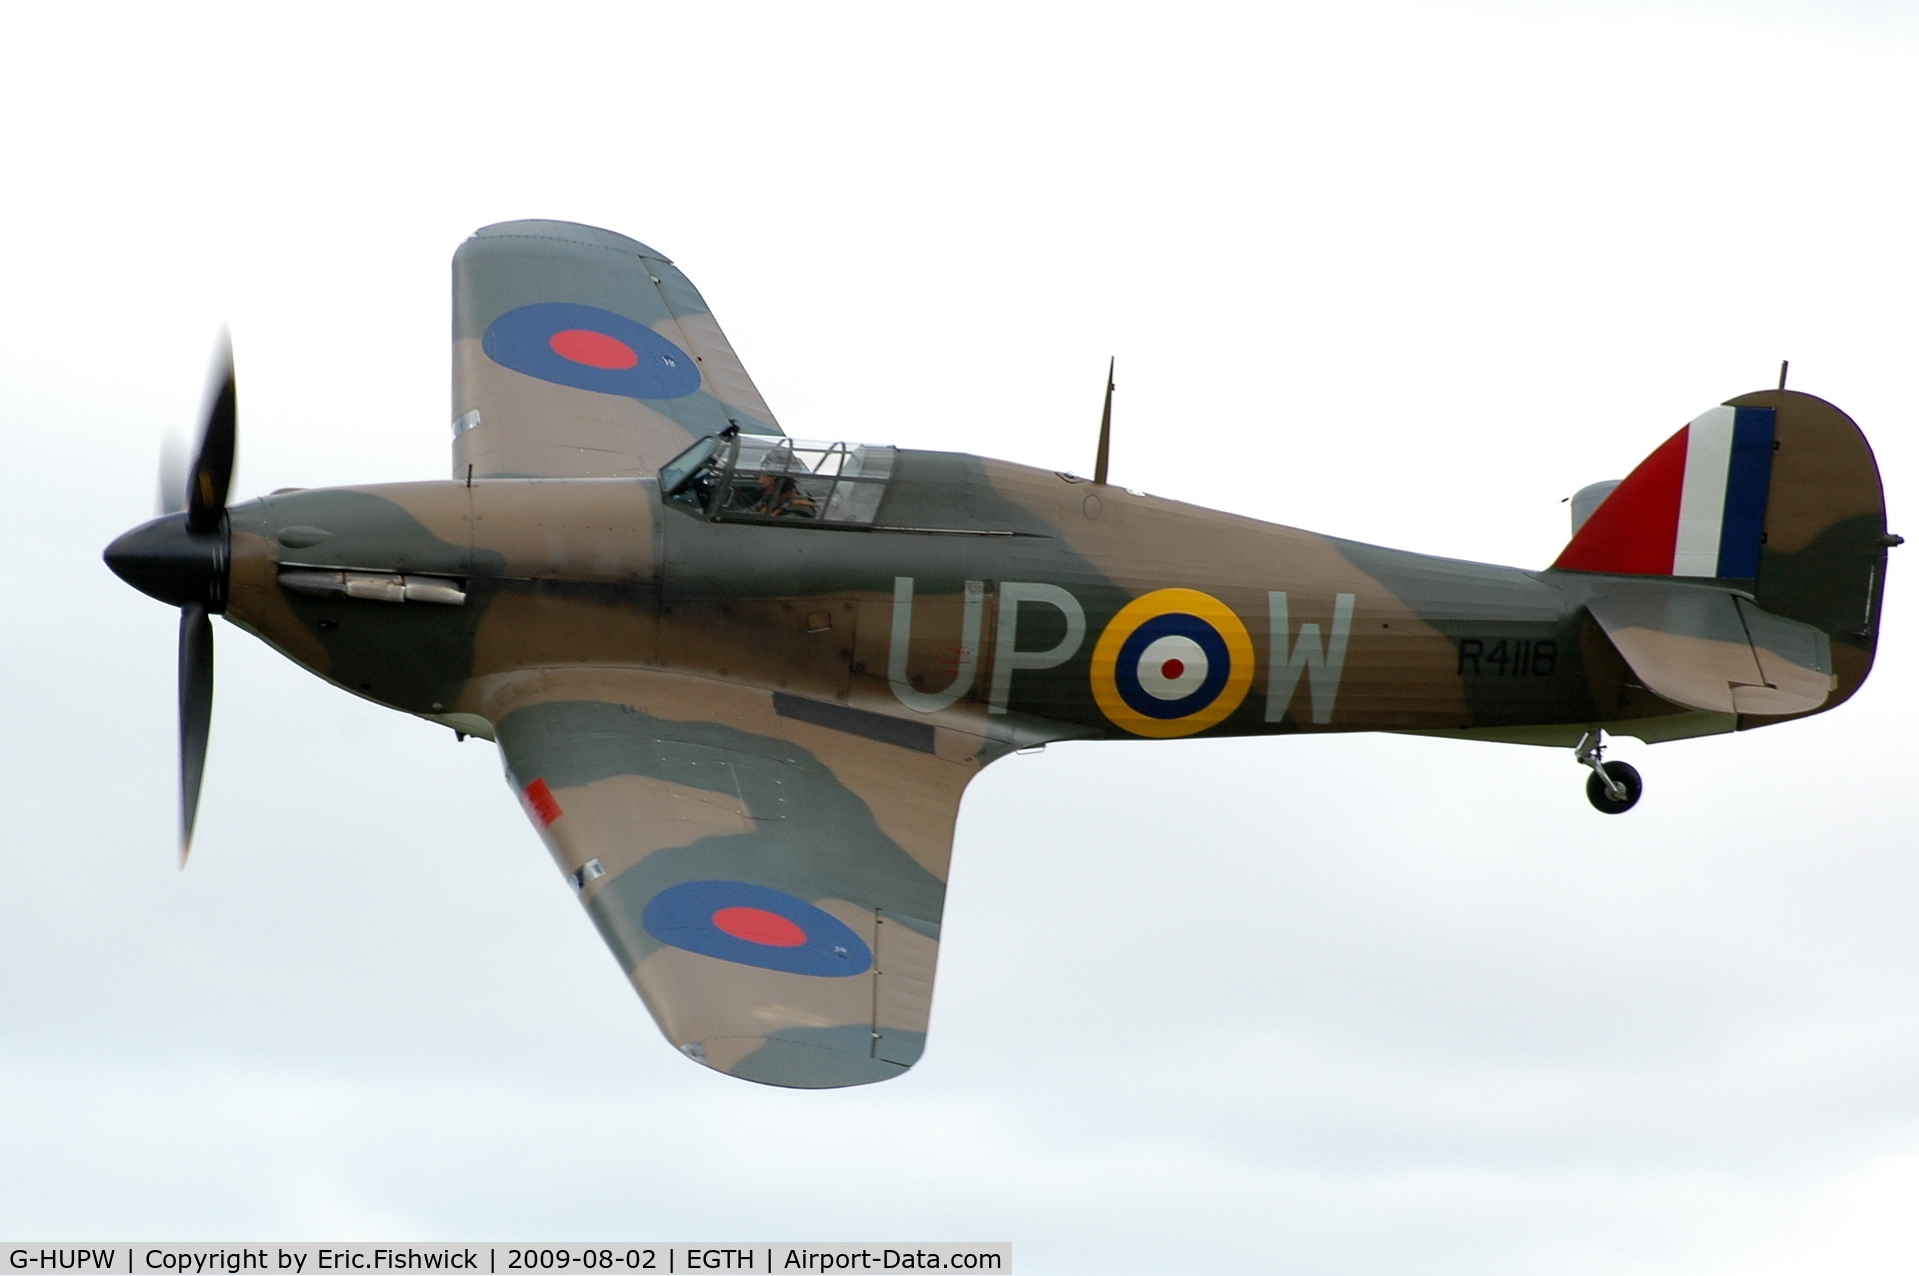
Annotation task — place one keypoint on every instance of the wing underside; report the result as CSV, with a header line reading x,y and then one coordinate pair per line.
x,y
769,871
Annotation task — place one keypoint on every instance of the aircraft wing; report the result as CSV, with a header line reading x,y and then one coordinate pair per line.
x,y
580,353
768,870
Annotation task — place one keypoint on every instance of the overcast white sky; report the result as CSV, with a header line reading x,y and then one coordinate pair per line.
x,y
1369,1004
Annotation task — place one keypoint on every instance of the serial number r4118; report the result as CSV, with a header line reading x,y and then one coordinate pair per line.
x,y
1507,658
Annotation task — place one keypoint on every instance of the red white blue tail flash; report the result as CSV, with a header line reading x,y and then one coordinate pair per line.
x,y
1695,507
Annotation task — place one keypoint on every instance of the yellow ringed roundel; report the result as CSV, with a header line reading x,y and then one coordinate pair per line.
x,y
1171,663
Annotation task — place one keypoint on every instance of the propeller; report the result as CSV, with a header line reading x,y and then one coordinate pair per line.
x,y
181,558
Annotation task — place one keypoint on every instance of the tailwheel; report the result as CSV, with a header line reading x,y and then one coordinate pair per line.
x,y
1621,794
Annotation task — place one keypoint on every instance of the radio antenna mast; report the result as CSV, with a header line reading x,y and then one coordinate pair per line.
x,y
1105,427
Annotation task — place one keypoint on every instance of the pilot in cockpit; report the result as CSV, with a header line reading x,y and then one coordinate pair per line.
x,y
779,496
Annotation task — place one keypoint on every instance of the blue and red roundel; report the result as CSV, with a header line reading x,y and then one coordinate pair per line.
x,y
755,926
590,349
1171,666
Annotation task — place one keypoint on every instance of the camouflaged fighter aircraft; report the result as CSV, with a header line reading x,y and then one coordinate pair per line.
x,y
740,681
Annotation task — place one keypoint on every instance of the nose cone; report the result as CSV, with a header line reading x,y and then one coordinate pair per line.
x,y
164,560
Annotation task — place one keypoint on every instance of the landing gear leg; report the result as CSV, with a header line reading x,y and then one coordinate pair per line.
x,y
1613,787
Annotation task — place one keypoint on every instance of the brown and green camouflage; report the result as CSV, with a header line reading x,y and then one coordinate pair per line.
x,y
740,694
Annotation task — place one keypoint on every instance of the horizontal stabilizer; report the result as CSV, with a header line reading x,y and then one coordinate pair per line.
x,y
1716,650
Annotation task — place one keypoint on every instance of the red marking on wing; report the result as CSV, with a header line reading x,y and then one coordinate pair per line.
x,y
594,349
757,926
540,801
1172,669
1634,530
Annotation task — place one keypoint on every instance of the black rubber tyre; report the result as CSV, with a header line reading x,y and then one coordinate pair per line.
x,y
1619,773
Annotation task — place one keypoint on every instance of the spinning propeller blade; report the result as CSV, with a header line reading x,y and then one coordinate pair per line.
x,y
196,713
213,459
181,558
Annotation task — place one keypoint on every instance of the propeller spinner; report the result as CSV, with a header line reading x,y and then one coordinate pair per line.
x,y
182,558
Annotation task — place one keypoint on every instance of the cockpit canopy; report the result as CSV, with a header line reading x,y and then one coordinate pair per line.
x,y
746,478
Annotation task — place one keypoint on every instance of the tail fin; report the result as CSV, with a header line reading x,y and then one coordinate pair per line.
x,y
1774,493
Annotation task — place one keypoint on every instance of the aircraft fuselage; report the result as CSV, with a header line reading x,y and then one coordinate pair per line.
x,y
988,590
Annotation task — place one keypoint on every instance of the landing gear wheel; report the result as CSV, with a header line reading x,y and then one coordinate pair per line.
x,y
1622,774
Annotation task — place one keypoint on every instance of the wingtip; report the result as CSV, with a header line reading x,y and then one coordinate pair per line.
x,y
570,232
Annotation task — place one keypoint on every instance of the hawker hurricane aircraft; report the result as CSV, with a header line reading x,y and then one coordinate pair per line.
x,y
739,681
